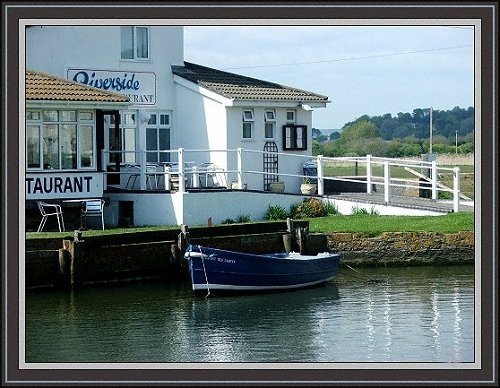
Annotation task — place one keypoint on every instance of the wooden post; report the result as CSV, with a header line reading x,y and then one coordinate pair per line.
x,y
302,239
65,267
183,239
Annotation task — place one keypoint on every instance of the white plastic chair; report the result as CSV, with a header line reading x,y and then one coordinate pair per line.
x,y
94,208
50,209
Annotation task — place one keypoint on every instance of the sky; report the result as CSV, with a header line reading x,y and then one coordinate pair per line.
x,y
364,70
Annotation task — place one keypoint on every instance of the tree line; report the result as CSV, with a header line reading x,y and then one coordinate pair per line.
x,y
403,135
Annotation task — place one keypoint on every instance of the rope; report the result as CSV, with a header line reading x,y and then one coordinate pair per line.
x,y
370,280
204,271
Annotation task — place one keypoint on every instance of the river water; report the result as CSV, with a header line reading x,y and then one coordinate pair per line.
x,y
423,314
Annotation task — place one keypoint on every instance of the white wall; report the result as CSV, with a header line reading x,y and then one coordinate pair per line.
x,y
197,208
286,164
200,123
52,49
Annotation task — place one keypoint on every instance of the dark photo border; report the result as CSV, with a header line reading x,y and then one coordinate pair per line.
x,y
13,181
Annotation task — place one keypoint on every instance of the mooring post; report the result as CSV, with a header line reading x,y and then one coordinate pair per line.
x,y
65,264
77,255
183,240
302,239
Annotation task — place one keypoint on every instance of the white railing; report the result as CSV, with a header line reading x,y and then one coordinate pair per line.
x,y
184,171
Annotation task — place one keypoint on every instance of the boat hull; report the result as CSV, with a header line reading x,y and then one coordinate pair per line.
x,y
220,271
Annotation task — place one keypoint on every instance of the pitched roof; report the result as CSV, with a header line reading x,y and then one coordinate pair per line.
x,y
41,86
240,87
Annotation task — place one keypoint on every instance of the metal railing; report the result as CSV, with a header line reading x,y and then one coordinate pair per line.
x,y
182,169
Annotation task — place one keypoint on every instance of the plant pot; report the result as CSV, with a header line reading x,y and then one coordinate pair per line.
x,y
277,187
234,186
308,188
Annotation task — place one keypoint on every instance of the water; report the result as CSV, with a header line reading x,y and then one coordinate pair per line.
x,y
409,315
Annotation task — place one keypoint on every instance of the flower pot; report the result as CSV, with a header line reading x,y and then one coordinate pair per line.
x,y
234,186
277,187
308,188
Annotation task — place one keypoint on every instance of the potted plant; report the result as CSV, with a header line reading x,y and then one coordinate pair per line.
x,y
307,187
234,185
277,187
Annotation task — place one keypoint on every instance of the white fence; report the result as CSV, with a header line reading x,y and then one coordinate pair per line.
x,y
184,172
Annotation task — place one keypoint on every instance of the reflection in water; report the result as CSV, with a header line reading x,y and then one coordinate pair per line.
x,y
435,320
411,315
457,323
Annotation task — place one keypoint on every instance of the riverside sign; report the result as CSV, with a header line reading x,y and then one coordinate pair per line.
x,y
138,86
64,185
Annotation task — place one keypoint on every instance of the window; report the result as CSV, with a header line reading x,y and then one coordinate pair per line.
x,y
134,42
290,116
60,139
127,138
247,124
158,138
269,124
294,137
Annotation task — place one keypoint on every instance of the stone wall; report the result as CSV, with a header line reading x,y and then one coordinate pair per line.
x,y
403,248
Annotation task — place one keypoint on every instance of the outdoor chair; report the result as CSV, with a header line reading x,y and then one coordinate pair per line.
x,y
94,208
50,209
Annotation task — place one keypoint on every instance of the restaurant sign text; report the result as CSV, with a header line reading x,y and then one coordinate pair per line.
x,y
63,185
138,86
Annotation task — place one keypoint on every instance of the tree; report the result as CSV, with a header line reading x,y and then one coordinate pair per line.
x,y
360,130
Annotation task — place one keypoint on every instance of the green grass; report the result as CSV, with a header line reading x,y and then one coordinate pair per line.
x,y
370,224
375,224
99,232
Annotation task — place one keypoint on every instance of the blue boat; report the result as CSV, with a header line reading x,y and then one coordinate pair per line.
x,y
217,271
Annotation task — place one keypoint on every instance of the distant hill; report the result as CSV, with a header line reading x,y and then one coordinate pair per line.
x,y
445,123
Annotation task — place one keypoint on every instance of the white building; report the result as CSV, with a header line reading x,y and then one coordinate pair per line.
x,y
187,128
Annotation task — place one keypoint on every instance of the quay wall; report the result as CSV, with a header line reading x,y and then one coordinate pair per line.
x,y
155,255
404,248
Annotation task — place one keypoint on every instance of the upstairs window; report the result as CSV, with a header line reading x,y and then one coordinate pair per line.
x,y
247,124
269,124
290,116
135,43
294,137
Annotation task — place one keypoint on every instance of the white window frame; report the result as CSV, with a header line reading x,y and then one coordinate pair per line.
x,y
270,119
158,126
294,113
248,118
78,122
134,44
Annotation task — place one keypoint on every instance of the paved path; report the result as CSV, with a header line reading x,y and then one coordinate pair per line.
x,y
444,206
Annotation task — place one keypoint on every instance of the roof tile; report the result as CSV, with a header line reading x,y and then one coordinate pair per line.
x,y
240,87
41,86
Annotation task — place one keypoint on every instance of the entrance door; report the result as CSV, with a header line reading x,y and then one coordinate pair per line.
x,y
270,164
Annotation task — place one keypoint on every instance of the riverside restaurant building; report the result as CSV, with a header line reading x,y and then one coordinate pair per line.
x,y
115,112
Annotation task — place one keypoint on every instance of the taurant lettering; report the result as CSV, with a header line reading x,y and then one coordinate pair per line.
x,y
58,185
113,83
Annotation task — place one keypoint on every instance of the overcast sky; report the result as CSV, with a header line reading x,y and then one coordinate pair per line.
x,y
362,69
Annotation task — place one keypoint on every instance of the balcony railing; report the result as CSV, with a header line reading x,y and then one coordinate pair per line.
x,y
181,173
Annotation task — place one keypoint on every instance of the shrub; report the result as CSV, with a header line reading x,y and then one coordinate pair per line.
x,y
361,210
310,208
355,210
227,221
276,212
244,218
330,208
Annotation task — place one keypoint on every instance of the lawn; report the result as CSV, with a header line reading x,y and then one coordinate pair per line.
x,y
361,223
376,224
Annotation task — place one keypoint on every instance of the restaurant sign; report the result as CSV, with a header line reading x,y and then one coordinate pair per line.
x,y
59,185
138,86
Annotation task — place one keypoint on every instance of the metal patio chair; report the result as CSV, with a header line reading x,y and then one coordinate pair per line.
x,y
94,208
50,209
